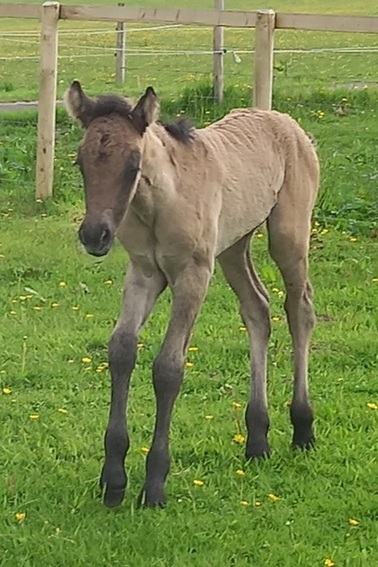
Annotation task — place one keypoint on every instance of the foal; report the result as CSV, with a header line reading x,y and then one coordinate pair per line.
x,y
177,198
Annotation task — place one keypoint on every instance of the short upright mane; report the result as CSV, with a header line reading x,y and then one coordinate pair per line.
x,y
181,130
104,105
111,104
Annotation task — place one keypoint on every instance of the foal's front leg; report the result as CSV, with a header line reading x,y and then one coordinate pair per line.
x,y
140,295
188,291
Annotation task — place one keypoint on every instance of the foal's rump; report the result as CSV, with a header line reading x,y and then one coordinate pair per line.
x,y
260,153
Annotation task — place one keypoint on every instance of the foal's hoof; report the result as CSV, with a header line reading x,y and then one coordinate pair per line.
x,y
151,497
113,488
303,441
302,418
257,449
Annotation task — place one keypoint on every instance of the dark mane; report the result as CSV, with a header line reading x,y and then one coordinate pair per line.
x,y
109,104
181,130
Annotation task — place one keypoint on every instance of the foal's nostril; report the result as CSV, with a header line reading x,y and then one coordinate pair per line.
x,y
105,236
81,234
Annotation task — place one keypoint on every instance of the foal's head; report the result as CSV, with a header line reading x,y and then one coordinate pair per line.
x,y
109,157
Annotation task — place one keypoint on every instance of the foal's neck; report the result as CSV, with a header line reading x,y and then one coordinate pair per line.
x,y
158,163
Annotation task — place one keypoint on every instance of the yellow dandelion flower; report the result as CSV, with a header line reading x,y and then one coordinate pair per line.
x,y
108,282
329,563
240,472
209,417
353,522
62,410
193,349
242,328
352,239
238,438
145,450
55,305
374,280
22,297
276,318
20,516
140,345
34,416
275,289
273,498
198,482
37,308
7,391
12,312
257,503
372,405
14,300
38,200
86,359
70,361
189,364
324,231
236,405
75,308
62,284
259,235
89,316
2,256
280,293
244,503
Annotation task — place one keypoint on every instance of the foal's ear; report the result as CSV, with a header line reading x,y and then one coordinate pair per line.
x,y
78,104
146,110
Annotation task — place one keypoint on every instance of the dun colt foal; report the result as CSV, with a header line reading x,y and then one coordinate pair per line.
x,y
177,198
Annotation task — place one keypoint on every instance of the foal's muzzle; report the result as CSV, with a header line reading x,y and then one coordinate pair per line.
x,y
97,238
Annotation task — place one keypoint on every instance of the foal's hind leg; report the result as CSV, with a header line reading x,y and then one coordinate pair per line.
x,y
254,309
289,234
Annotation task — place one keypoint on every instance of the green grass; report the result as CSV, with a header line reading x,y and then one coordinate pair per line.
x,y
49,466
90,58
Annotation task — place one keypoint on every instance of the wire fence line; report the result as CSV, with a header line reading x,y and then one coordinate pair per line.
x,y
98,31
136,51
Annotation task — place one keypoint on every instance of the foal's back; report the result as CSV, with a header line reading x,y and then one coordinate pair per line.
x,y
257,154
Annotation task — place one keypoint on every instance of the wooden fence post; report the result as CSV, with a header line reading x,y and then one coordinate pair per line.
x,y
218,44
47,100
120,50
264,45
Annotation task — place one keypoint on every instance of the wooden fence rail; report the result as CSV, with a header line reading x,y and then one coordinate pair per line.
x,y
265,22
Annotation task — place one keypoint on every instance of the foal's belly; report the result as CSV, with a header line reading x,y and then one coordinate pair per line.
x,y
242,212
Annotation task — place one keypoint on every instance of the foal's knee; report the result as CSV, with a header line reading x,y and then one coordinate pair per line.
x,y
168,374
122,349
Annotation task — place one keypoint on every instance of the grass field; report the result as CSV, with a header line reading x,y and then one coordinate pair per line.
x,y
58,307
152,55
